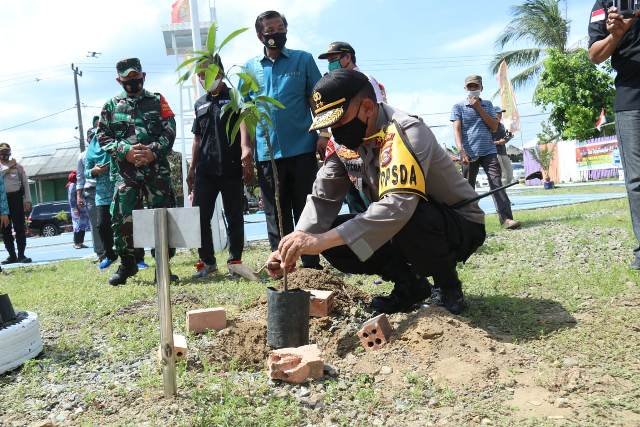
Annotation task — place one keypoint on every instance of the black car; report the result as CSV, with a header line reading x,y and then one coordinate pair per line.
x,y
49,219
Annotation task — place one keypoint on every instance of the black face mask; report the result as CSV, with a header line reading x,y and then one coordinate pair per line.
x,y
275,40
133,86
351,134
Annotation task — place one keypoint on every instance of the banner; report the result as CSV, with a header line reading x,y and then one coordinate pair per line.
x,y
597,154
510,117
180,12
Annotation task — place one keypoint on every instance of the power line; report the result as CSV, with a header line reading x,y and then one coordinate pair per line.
x,y
37,119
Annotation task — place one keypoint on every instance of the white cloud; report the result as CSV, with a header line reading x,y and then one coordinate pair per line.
x,y
477,40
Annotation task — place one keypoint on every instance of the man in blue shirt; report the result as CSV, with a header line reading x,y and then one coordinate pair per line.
x,y
474,121
289,76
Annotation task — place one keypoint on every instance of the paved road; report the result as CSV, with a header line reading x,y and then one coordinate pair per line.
x,y
44,250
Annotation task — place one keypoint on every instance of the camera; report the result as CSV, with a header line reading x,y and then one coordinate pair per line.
x,y
627,8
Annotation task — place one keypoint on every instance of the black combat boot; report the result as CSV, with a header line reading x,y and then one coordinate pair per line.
x,y
406,294
447,292
125,270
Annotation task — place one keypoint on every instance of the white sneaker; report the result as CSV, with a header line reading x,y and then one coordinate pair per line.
x,y
242,271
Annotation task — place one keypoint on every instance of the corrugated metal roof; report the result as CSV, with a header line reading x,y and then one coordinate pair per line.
x,y
60,163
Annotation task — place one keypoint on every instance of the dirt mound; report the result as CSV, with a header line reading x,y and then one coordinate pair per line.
x,y
347,296
450,350
243,342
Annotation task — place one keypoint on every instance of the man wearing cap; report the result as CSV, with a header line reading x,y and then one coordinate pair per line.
x,y
289,76
409,231
137,129
216,169
18,201
342,55
474,121
500,138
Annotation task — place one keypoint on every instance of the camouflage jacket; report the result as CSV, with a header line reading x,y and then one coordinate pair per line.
x,y
127,121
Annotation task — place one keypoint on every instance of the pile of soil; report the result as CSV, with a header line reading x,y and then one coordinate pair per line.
x,y
346,296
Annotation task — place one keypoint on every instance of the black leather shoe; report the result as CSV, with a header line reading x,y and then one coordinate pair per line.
x,y
404,297
453,298
124,272
10,260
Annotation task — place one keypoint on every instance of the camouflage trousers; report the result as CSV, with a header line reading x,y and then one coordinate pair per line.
x,y
127,198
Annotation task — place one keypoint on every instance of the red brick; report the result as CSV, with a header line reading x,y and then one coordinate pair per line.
x,y
375,333
206,319
321,302
179,347
296,365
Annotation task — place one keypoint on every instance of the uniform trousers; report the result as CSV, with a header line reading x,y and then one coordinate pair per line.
x,y
16,222
130,196
434,240
205,193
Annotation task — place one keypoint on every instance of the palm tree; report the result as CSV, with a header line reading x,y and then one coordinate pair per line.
x,y
540,23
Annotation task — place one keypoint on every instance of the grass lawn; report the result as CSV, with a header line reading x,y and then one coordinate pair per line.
x,y
556,294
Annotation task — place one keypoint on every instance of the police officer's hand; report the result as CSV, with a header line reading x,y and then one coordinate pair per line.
x,y
298,243
247,166
4,220
618,25
274,265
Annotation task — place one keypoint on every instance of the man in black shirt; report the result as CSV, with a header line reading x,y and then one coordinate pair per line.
x,y
216,168
613,35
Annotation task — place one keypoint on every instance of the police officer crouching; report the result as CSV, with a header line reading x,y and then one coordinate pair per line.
x,y
409,231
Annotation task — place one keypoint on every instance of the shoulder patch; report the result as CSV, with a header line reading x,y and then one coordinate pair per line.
x,y
400,170
165,110
598,15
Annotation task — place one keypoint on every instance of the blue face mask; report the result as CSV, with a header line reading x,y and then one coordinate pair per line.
x,y
334,65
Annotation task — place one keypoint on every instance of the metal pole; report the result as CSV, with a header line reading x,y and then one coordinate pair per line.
x,y
164,302
185,187
76,73
195,36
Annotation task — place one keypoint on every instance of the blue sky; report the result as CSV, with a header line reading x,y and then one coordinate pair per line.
x,y
420,50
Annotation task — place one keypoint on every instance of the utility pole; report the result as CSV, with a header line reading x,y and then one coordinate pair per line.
x,y
76,73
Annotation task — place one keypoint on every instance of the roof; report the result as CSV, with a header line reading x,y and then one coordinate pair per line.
x,y
512,150
58,164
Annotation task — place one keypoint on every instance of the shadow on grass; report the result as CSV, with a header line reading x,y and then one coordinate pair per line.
x,y
511,319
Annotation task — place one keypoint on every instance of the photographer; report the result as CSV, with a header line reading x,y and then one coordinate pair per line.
x,y
500,138
616,34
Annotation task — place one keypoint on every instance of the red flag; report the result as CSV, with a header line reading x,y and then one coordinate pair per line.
x,y
601,120
180,12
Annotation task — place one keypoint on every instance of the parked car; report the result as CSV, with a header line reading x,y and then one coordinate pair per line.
x,y
518,171
50,219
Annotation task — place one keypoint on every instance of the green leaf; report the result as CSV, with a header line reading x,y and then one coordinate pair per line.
x,y
270,100
211,38
187,62
210,75
231,37
248,83
184,77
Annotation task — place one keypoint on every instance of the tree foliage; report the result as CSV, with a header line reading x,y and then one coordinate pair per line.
x,y
575,91
539,23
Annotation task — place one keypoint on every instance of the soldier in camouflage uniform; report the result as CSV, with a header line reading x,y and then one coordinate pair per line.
x,y
137,129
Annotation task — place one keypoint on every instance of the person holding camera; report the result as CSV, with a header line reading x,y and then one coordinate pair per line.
x,y
500,139
615,34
